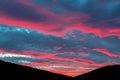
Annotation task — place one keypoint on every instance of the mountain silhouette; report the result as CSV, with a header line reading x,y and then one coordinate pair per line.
x,y
13,71
105,73
18,72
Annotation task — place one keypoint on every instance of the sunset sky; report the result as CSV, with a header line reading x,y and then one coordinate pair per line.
x,y
69,37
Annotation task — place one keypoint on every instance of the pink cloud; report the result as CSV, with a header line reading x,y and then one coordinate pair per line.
x,y
106,52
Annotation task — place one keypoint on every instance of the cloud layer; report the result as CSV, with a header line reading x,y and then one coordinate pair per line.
x,y
72,52
59,17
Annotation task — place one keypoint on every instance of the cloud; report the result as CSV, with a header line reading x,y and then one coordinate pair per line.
x,y
14,58
98,17
22,39
104,51
17,10
75,49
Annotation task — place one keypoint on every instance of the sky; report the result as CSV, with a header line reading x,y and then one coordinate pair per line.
x,y
69,37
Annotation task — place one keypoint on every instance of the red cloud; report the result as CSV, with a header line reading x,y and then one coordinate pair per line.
x,y
55,24
106,52
77,67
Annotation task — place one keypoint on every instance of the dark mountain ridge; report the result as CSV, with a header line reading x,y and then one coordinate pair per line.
x,y
17,72
105,73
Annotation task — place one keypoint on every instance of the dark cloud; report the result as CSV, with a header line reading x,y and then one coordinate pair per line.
x,y
17,10
101,12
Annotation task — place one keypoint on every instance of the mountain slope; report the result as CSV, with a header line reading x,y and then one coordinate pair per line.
x,y
104,73
15,72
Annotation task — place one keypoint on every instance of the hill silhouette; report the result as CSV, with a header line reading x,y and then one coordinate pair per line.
x,y
18,72
105,73
15,72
